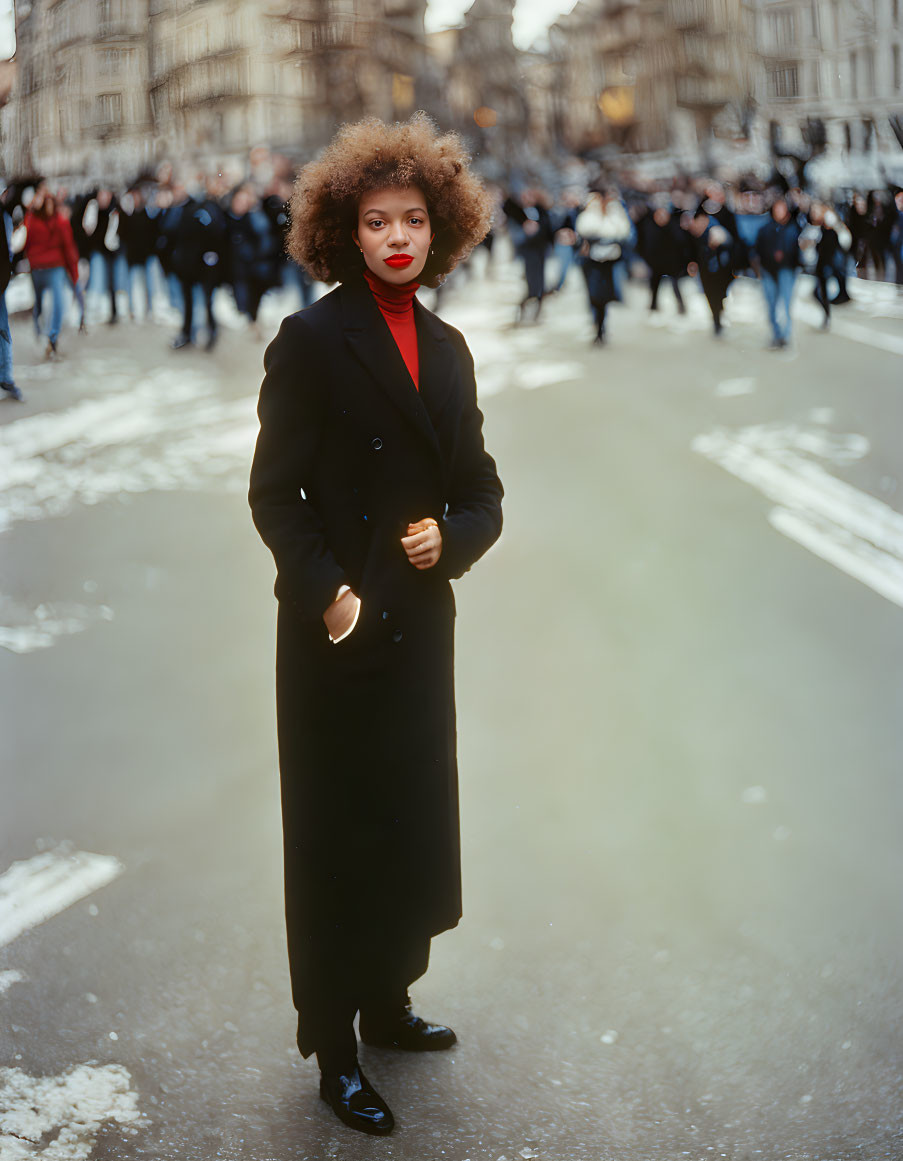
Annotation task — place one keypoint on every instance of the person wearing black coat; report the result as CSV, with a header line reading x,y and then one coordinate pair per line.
x,y
533,237
138,232
713,260
827,240
250,257
7,381
197,260
372,487
666,251
99,226
275,206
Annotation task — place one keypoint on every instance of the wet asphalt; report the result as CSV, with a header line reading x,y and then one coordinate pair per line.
x,y
679,743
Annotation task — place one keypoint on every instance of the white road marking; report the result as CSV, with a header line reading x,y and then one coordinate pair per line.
x,y
8,978
744,386
533,375
36,889
59,1117
850,529
871,338
42,626
856,557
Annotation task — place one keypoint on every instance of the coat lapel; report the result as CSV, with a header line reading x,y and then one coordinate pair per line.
x,y
368,335
438,362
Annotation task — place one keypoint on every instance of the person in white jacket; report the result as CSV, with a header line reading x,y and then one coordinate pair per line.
x,y
602,227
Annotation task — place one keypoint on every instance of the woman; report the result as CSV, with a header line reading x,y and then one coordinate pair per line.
x,y
52,255
602,227
372,488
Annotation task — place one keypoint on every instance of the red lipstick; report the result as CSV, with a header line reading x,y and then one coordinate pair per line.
x,y
399,261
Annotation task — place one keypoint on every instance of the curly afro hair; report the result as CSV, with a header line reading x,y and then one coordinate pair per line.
x,y
370,154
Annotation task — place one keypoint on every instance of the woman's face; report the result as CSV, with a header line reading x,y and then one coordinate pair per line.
x,y
393,233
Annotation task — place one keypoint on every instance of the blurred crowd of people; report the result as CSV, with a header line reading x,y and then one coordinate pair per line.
x,y
180,245
177,245
709,231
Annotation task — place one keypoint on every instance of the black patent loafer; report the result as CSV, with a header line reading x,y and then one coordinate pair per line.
x,y
407,1032
355,1102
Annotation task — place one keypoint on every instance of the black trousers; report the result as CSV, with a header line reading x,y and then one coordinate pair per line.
x,y
188,308
655,281
335,975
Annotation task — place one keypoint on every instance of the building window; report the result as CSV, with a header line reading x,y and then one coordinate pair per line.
x,y
854,79
783,83
869,54
112,61
895,66
109,108
783,28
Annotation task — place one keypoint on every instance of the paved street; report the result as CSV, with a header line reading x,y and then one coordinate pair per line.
x,y
679,716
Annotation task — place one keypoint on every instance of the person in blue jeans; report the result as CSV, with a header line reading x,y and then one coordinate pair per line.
x,y
6,342
777,260
52,255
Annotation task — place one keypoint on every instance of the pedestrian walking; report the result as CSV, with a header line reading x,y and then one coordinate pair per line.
x,y
250,256
532,236
138,232
666,251
275,206
100,226
713,262
169,205
564,221
778,257
52,257
197,260
372,487
7,380
603,227
825,242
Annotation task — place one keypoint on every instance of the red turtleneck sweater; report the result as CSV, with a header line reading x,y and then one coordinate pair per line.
x,y
396,304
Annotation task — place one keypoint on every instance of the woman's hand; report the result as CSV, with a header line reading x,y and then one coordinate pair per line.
x,y
423,543
341,614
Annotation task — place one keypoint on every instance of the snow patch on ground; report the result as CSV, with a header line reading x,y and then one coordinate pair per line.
x,y
162,434
8,978
57,1118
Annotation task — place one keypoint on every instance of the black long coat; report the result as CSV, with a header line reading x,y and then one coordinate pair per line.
x,y
350,453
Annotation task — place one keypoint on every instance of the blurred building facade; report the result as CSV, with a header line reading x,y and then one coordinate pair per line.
x,y
484,81
831,83
112,86
649,75
708,80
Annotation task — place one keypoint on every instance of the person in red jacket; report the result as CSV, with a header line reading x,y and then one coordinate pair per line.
x,y
52,257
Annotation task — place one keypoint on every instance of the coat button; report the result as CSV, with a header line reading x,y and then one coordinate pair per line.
x,y
397,636
385,615
376,443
